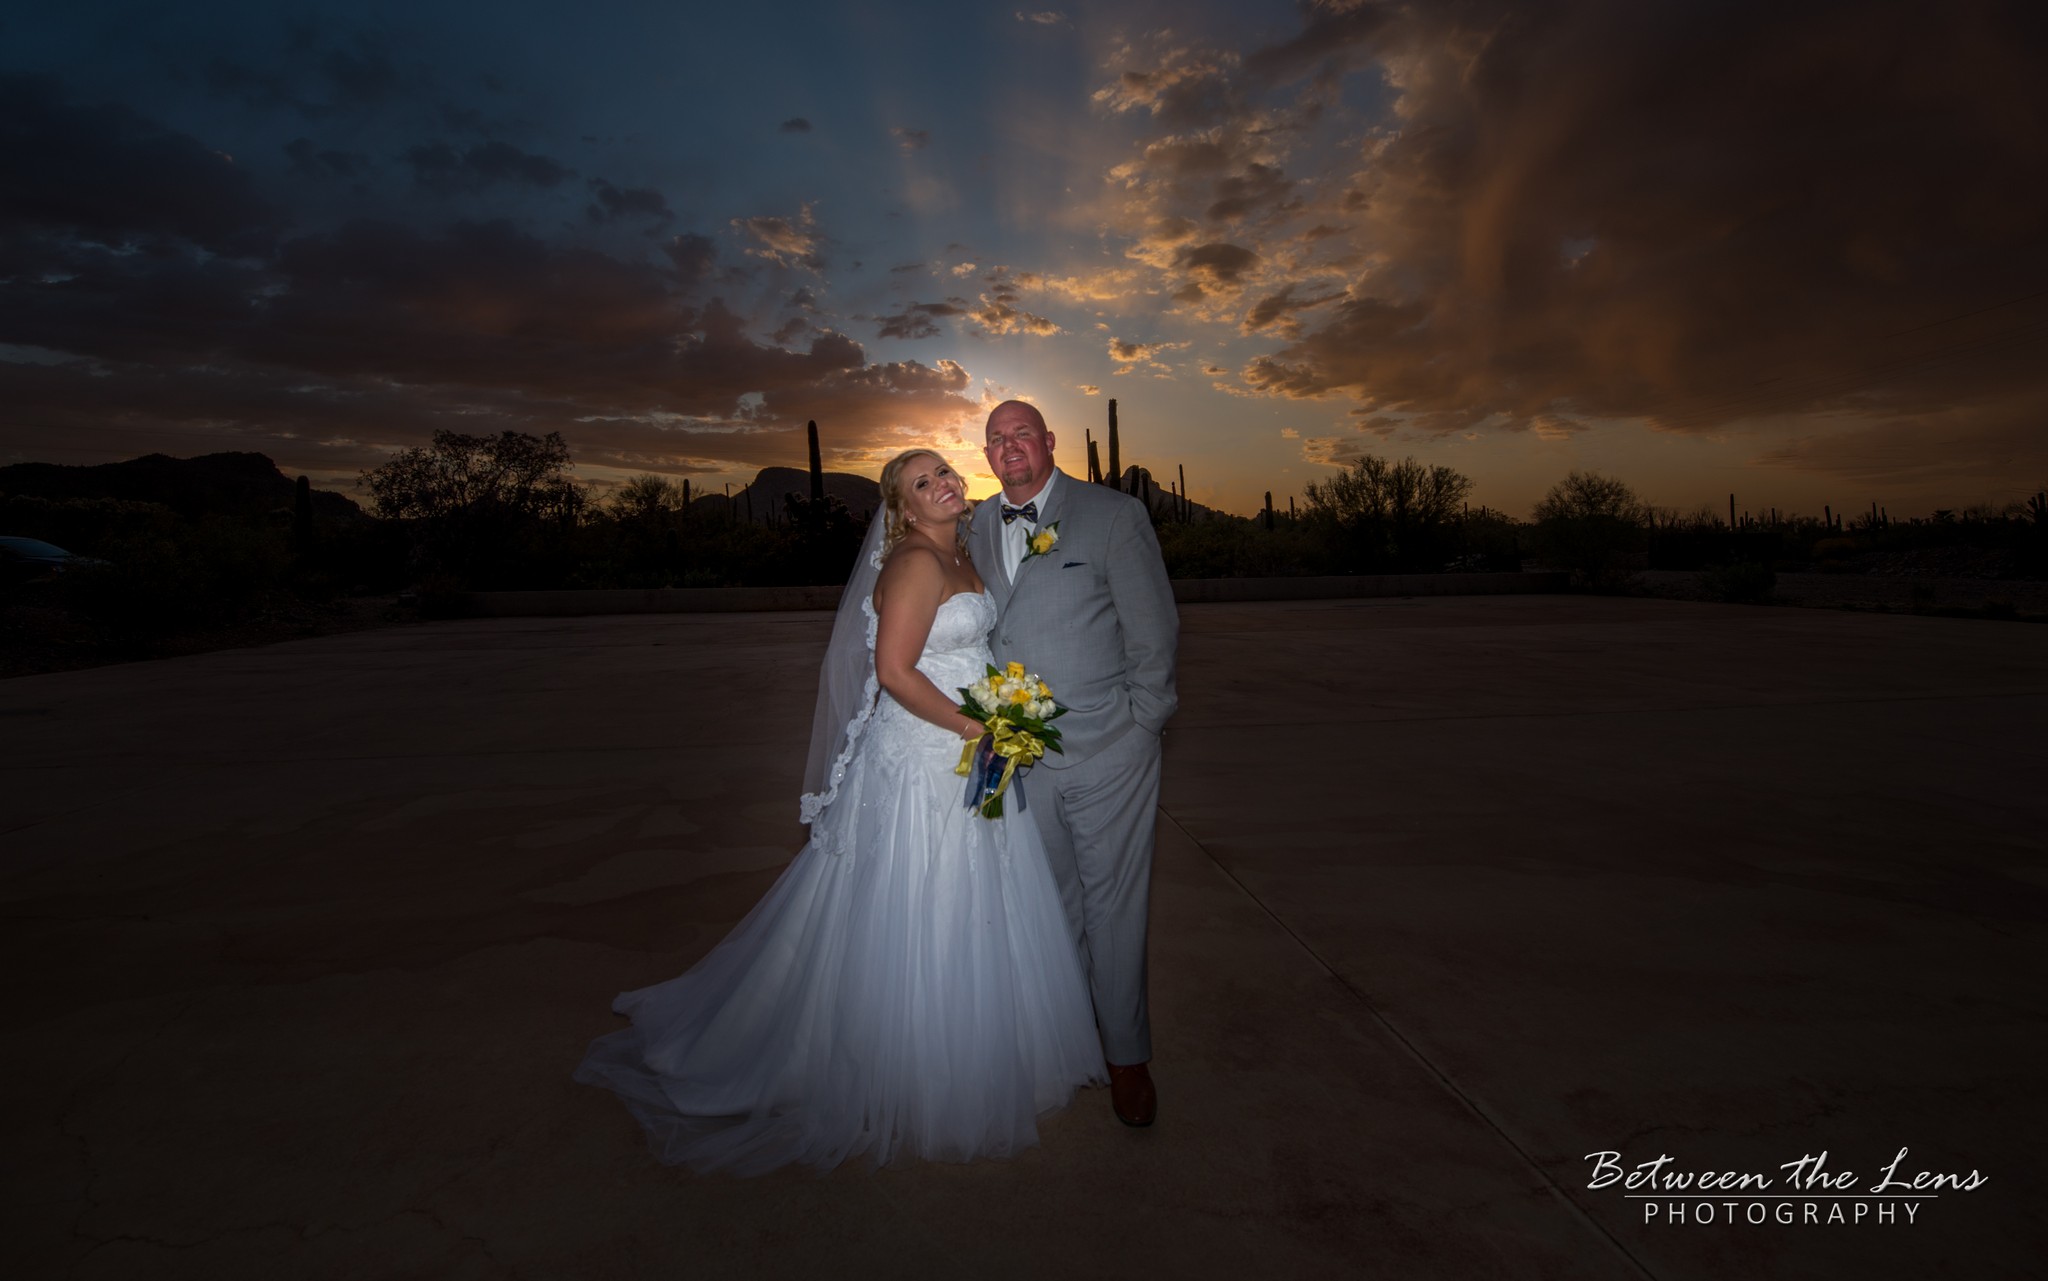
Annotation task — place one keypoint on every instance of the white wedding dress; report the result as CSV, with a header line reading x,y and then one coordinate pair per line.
x,y
908,987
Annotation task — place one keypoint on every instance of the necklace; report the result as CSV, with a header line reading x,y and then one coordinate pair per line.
x,y
944,550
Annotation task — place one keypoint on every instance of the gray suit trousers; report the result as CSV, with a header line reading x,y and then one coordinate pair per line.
x,y
1097,818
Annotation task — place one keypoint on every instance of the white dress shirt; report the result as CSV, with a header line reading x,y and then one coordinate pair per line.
x,y
1017,534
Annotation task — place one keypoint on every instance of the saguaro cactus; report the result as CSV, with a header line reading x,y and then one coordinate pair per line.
x,y
302,514
817,468
1116,456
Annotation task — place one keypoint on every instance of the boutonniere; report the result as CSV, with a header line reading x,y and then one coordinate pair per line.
x,y
1042,542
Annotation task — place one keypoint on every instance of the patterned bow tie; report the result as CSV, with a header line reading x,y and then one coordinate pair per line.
x,y
1028,511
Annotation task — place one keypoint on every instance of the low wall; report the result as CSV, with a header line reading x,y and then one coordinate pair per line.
x,y
1204,591
1187,591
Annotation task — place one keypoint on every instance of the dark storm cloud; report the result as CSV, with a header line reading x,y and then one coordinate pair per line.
x,y
196,317
86,410
106,174
1218,264
361,72
869,402
1954,448
609,203
1280,311
440,168
1257,189
1331,36
994,315
692,256
357,73
1723,213
1692,213
1186,90
919,319
481,322
481,302
316,162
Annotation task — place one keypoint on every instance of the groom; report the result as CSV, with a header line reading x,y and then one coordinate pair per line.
x,y
1083,600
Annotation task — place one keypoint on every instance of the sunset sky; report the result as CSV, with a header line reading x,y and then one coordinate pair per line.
x,y
1794,251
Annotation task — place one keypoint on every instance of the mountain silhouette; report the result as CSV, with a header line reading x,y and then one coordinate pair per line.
x,y
772,484
235,484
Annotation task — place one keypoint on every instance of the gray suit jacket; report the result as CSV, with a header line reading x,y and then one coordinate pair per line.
x,y
1095,616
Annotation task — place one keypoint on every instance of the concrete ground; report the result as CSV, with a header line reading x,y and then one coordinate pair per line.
x,y
304,942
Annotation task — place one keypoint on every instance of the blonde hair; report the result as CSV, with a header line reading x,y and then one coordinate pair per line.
x,y
896,525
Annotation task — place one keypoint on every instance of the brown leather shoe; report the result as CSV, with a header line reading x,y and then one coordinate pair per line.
x,y
1131,1094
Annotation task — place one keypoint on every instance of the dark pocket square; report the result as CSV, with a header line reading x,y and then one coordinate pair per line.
x,y
1074,564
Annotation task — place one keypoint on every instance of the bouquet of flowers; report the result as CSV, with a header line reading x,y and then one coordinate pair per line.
x,y
1018,710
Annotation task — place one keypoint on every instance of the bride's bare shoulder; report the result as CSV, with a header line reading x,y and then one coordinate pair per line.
x,y
913,560
913,570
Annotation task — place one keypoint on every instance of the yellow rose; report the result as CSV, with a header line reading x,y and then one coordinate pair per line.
x,y
1015,671
1043,690
1041,542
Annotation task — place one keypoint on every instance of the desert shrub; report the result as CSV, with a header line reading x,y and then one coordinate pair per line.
x,y
86,526
1488,542
189,575
1233,547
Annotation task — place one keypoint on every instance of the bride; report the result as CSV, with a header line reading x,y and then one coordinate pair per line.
x,y
909,985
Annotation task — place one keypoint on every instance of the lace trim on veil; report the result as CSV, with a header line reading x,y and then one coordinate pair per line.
x,y
813,804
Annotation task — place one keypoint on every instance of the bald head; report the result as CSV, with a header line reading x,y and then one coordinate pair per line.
x,y
1019,448
1015,408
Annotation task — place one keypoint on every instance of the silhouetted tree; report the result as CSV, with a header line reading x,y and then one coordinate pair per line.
x,y
1385,515
489,512
1592,525
646,497
460,475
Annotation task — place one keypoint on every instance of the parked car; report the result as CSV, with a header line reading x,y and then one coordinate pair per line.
x,y
28,560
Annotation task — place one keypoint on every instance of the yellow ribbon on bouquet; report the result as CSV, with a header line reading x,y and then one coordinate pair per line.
x,y
1017,747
